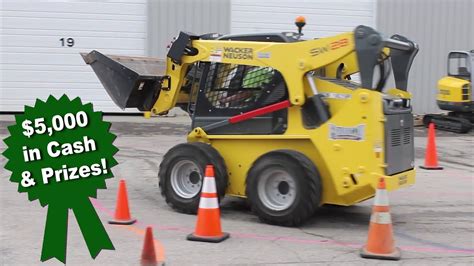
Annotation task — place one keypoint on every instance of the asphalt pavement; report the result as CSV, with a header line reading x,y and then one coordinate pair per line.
x,y
433,220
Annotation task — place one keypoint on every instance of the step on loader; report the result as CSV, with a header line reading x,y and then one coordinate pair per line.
x,y
278,116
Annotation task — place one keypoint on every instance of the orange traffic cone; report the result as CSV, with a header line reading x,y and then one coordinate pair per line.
x,y
431,157
122,212
208,225
380,243
148,253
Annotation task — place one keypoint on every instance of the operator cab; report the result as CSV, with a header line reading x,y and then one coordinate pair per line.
x,y
226,90
460,64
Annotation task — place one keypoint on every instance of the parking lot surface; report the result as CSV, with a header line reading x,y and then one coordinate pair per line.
x,y
433,220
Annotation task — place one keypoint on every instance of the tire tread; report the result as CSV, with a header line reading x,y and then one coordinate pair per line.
x,y
311,178
204,150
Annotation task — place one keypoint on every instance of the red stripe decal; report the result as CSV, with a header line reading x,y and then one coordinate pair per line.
x,y
260,111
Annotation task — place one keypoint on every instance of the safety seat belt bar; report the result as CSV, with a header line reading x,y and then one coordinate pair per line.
x,y
248,115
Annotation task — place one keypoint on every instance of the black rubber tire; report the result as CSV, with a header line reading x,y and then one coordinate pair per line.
x,y
308,183
200,153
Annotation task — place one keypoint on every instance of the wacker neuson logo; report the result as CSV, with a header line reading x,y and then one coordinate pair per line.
x,y
238,53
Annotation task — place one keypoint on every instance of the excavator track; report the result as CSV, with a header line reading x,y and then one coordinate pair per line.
x,y
448,123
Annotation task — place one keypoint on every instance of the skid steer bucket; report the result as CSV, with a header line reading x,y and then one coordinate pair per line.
x,y
131,82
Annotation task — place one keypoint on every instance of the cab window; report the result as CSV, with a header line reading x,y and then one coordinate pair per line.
x,y
458,65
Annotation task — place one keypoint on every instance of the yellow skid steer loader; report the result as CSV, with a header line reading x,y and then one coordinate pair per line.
x,y
277,116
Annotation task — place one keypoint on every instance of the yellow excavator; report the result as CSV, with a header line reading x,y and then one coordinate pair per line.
x,y
277,116
455,95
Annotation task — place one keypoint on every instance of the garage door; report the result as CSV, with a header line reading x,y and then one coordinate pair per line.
x,y
324,18
41,41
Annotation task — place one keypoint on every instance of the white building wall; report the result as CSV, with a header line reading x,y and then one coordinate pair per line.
x,y
34,63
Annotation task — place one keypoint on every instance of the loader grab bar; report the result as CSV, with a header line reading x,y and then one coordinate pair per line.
x,y
402,56
248,115
369,46
399,45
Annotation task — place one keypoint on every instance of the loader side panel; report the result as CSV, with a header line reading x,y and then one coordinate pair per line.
x,y
240,154
399,151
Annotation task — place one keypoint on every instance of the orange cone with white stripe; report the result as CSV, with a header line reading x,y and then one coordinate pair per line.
x,y
208,225
380,243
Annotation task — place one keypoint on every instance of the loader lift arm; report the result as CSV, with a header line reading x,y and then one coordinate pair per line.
x,y
155,85
365,43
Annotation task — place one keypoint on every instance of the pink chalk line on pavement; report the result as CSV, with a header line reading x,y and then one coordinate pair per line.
x,y
241,235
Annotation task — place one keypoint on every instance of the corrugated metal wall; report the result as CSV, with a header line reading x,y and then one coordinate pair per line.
x,y
167,17
323,18
438,26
